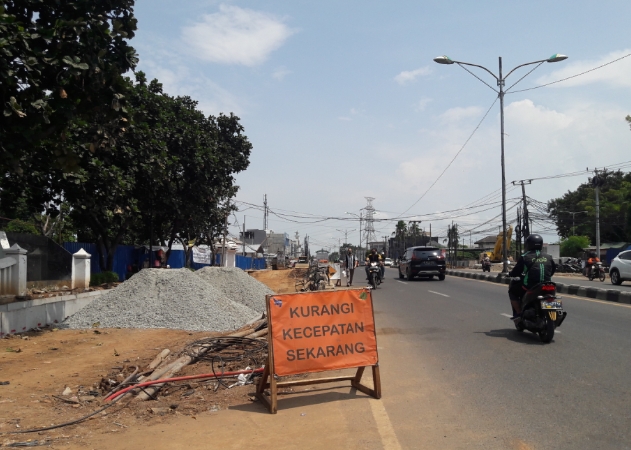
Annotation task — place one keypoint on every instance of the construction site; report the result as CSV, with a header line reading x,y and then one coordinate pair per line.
x,y
163,344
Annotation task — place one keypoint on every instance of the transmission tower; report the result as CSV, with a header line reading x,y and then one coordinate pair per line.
x,y
370,224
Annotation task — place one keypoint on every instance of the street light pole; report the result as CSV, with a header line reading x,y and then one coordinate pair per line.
x,y
573,214
500,83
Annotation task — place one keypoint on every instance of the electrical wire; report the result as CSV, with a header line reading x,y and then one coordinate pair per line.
x,y
573,76
120,395
454,158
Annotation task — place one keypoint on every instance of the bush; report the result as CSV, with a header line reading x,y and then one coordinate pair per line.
x,y
110,277
20,226
97,279
574,245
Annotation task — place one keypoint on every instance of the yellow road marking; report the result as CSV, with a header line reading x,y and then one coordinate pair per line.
x,y
384,426
604,302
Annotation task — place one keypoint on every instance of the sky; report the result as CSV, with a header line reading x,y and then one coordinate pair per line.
x,y
342,100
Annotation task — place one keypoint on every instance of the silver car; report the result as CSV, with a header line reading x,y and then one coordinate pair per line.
x,y
620,269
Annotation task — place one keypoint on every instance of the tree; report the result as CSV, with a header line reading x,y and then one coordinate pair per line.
x,y
61,64
615,209
574,245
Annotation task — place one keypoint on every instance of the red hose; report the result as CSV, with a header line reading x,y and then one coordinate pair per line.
x,y
189,377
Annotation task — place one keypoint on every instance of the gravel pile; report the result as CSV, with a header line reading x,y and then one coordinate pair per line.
x,y
158,298
237,286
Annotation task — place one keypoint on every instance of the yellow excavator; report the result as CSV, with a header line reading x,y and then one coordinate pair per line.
x,y
496,254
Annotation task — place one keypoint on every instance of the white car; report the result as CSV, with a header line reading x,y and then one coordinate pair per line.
x,y
387,262
620,269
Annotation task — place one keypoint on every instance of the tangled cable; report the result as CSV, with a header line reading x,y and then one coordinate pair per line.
x,y
219,351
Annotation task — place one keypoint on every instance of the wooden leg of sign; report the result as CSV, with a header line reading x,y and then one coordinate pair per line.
x,y
376,378
260,389
270,403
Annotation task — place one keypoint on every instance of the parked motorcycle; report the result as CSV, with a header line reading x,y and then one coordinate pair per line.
x,y
374,275
597,271
542,311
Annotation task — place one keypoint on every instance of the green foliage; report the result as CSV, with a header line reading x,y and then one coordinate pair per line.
x,y
573,246
97,279
21,226
615,209
61,65
110,277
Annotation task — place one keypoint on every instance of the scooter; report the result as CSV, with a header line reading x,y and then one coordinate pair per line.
x,y
486,266
374,275
542,311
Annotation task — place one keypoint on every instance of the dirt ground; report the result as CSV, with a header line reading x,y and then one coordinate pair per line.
x,y
284,281
280,281
39,366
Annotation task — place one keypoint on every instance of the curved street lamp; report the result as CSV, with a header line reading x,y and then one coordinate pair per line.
x,y
444,59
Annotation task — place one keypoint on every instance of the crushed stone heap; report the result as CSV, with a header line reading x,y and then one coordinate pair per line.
x,y
158,298
237,286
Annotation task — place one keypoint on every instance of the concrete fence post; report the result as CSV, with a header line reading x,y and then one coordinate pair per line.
x,y
81,270
18,272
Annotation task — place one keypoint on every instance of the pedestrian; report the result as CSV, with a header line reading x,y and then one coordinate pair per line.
x,y
350,263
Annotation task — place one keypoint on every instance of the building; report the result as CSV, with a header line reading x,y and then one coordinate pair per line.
x,y
487,243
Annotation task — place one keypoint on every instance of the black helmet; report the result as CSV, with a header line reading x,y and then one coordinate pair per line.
x,y
534,242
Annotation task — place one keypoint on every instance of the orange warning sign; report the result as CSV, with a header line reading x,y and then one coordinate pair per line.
x,y
318,331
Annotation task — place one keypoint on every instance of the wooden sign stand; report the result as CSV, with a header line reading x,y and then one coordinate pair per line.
x,y
272,384
269,381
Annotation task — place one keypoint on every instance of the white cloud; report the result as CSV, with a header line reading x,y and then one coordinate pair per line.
x,y
525,113
616,74
280,73
410,75
422,104
460,113
236,36
212,98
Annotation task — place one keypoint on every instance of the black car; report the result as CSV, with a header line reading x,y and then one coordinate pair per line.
x,y
422,262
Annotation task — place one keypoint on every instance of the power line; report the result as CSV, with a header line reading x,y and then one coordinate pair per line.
x,y
454,158
573,76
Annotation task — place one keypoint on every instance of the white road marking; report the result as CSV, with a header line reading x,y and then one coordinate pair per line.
x,y
384,426
438,293
402,282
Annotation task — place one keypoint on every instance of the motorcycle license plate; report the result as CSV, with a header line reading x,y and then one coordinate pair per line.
x,y
551,305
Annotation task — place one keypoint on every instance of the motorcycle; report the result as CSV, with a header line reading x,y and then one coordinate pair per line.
x,y
486,266
597,270
542,311
374,275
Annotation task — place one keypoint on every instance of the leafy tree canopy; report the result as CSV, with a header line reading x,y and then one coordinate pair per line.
x,y
573,246
61,62
615,209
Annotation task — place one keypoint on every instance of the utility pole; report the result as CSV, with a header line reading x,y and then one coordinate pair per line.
x,y
525,229
597,182
265,212
385,242
243,236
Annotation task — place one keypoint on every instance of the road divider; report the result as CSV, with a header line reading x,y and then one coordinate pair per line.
x,y
610,295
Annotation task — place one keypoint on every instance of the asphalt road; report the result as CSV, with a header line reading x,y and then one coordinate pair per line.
x,y
457,374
